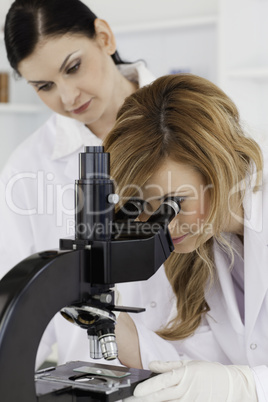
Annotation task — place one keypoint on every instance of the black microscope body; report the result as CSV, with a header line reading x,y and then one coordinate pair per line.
x,y
78,280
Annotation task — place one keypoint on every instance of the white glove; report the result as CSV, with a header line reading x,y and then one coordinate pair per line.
x,y
197,381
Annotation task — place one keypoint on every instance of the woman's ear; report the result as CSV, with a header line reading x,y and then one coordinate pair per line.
x,y
105,36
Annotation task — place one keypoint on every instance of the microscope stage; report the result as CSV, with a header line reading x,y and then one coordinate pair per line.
x,y
87,382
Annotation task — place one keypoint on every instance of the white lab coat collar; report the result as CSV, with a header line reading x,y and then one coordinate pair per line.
x,y
137,72
72,134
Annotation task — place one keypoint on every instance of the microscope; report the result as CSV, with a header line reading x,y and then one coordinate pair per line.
x,y
78,280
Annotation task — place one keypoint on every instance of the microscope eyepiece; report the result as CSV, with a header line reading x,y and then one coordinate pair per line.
x,y
94,149
167,211
94,163
131,209
163,215
94,196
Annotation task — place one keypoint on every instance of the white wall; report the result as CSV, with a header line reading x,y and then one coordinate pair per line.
x,y
243,60
5,4
124,12
153,30
121,12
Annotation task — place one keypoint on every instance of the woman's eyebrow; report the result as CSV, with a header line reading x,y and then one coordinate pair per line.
x,y
174,193
65,61
37,82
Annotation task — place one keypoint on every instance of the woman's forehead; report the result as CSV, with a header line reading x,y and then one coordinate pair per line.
x,y
173,176
50,53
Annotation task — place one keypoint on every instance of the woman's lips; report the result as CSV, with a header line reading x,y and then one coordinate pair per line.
x,y
82,108
177,240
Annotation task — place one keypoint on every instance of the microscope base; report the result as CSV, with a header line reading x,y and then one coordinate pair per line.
x,y
86,382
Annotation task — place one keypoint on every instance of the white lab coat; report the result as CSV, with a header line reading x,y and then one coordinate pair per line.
x,y
48,166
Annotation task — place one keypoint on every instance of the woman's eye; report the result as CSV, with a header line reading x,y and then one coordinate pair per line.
x,y
45,87
74,68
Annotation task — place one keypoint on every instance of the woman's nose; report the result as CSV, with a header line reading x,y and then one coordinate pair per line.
x,y
69,95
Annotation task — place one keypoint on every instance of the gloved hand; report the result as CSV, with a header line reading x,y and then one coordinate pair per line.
x,y
198,381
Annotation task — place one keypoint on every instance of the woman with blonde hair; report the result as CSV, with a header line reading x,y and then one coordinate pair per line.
x,y
181,136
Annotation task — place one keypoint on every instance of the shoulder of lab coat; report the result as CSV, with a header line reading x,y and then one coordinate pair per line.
x,y
57,138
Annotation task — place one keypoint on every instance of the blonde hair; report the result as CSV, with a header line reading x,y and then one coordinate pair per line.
x,y
190,120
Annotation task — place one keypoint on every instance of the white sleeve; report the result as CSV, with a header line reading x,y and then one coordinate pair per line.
x,y
261,379
153,347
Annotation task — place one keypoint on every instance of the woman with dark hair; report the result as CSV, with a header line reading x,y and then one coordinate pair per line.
x,y
182,137
69,57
